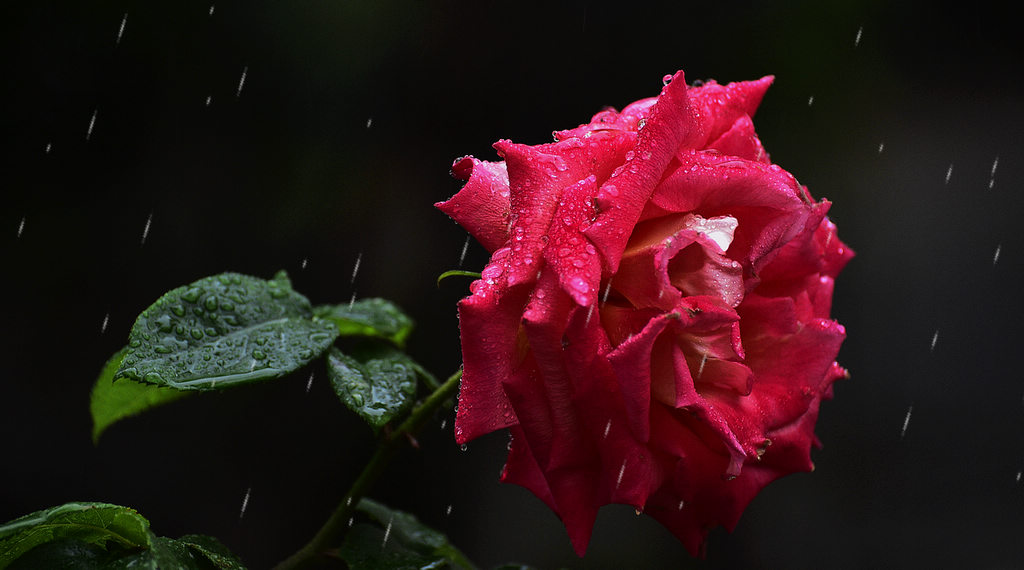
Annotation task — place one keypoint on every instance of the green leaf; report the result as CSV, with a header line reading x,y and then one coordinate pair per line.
x,y
398,540
378,318
457,273
222,331
211,549
63,553
98,524
112,401
99,536
378,382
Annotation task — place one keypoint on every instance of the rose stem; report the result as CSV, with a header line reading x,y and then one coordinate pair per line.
x,y
330,534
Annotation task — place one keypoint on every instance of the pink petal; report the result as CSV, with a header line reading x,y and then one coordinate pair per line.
x,y
482,206
538,177
741,141
489,328
622,198
718,107
569,253
764,199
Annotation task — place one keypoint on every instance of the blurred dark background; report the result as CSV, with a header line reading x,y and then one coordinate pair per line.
x,y
337,145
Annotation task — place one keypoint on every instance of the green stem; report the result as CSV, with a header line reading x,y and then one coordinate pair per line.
x,y
331,533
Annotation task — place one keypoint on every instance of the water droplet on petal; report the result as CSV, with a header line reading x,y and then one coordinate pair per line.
x,y
579,284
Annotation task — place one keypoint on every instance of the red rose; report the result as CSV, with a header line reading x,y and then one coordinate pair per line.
x,y
653,325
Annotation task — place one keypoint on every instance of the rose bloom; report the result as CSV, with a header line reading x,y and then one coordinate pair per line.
x,y
653,325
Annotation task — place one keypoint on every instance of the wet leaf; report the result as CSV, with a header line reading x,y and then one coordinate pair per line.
x,y
378,318
378,383
222,331
410,544
211,549
100,536
113,401
99,524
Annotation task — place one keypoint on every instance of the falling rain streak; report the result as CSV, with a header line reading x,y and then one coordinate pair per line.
x,y
856,41
48,147
245,502
906,421
995,258
106,319
241,81
21,226
622,471
304,262
810,100
949,172
369,122
209,99
92,123
309,384
448,511
120,31
355,269
145,230
387,531
881,147
935,339
462,256
211,9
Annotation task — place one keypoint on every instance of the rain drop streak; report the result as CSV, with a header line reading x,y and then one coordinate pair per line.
x,y
462,256
145,230
92,123
906,421
245,502
241,81
120,31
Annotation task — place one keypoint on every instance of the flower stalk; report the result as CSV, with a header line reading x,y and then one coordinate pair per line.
x,y
333,531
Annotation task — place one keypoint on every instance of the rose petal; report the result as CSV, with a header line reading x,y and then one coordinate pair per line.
x,y
488,326
741,141
764,199
482,206
622,198
553,434
538,178
718,107
569,253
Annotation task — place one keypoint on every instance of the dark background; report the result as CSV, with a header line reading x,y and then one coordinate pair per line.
x,y
292,168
